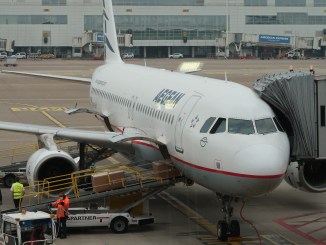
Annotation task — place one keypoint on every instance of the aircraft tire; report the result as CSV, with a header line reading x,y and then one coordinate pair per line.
x,y
234,228
222,230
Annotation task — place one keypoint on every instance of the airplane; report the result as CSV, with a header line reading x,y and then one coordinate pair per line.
x,y
219,134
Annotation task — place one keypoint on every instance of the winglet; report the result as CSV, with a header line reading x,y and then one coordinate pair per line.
x,y
112,54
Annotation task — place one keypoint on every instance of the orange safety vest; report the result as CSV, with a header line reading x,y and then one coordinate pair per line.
x,y
67,203
60,212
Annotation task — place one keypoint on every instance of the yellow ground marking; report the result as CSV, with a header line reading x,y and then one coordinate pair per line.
x,y
36,108
51,118
188,212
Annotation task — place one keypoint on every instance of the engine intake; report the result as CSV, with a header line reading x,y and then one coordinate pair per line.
x,y
45,163
308,176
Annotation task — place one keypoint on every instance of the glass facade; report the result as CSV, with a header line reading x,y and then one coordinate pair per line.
x,y
291,3
255,2
286,19
163,27
54,2
320,3
159,2
33,19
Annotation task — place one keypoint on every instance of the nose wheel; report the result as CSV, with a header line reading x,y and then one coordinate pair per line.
x,y
227,228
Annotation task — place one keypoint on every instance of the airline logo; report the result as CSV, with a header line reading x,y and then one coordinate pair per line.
x,y
168,97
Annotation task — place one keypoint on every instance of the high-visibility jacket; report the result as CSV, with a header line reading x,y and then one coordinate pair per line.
x,y
66,203
60,211
18,190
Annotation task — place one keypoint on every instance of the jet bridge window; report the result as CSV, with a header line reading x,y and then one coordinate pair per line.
x,y
219,126
265,126
239,126
207,125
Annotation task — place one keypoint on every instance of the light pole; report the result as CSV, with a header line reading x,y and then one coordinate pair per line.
x,y
227,30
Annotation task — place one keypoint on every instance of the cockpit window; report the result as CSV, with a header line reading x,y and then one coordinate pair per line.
x,y
239,126
278,125
265,126
207,124
219,126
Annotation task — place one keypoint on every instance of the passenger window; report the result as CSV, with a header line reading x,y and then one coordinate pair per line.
x,y
265,126
207,124
219,126
239,126
278,125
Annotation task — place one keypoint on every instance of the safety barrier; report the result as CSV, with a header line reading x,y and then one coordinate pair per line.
x,y
75,182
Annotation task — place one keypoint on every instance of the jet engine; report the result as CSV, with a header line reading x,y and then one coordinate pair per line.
x,y
307,176
46,163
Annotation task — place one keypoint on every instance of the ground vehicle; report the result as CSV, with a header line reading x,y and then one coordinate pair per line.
x,y
21,55
11,61
27,228
127,55
102,217
8,177
220,53
293,55
3,55
176,56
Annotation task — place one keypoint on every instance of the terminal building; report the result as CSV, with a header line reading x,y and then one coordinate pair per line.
x,y
157,28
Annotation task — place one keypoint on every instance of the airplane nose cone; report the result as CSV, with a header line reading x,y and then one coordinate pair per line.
x,y
264,166
262,160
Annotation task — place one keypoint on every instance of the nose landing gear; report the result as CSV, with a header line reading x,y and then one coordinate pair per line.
x,y
227,228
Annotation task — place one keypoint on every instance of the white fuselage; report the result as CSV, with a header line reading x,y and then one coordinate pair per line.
x,y
172,108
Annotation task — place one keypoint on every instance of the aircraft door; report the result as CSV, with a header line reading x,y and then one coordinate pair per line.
x,y
181,121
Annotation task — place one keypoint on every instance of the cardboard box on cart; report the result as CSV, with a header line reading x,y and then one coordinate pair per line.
x,y
108,181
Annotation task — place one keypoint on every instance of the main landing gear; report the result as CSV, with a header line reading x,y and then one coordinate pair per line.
x,y
227,227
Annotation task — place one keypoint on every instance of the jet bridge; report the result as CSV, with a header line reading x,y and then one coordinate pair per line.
x,y
299,100
292,96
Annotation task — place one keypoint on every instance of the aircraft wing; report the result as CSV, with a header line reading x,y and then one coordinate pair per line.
x,y
69,78
104,139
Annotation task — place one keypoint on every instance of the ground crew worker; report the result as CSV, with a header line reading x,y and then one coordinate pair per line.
x,y
62,198
66,204
61,219
18,192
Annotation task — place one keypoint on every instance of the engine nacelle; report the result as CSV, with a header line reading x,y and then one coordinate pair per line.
x,y
46,163
308,176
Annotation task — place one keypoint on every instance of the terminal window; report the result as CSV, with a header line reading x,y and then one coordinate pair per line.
x,y
54,2
290,3
320,3
255,2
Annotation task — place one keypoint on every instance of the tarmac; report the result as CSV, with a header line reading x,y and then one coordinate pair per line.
x,y
184,215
